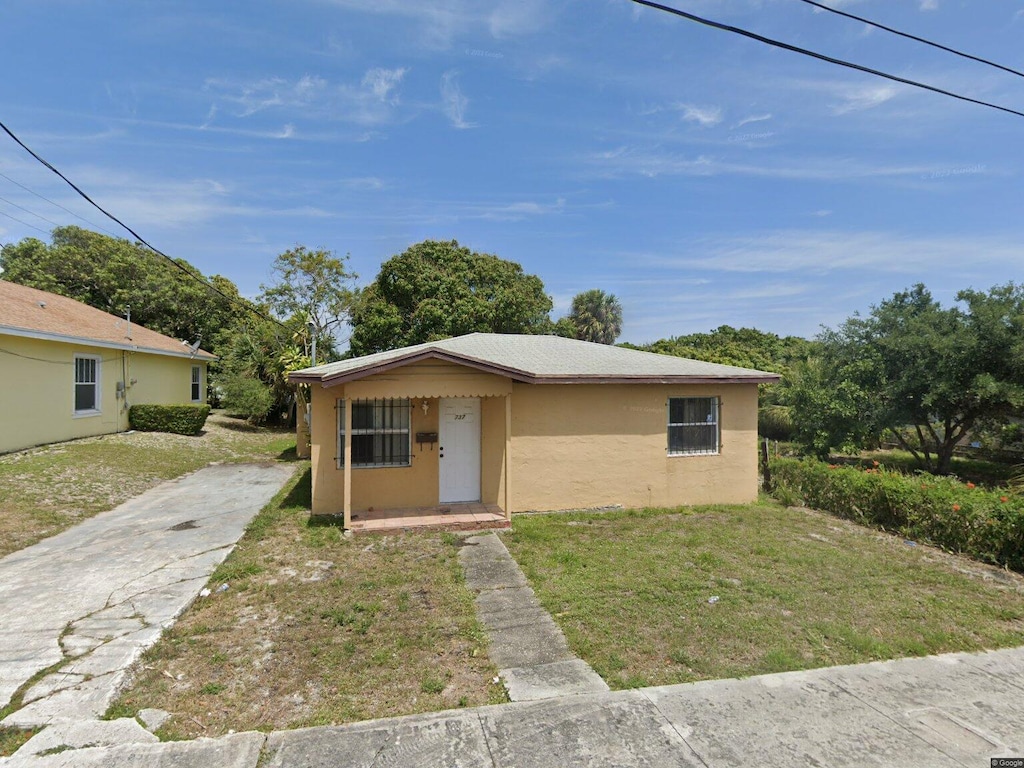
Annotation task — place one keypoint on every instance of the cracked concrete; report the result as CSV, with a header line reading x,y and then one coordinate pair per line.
x,y
84,604
529,649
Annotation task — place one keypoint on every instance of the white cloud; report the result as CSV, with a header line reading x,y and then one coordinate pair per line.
x,y
705,116
381,82
861,97
929,5
266,93
453,101
752,119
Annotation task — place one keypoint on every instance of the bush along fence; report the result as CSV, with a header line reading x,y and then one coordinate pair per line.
x,y
987,525
179,419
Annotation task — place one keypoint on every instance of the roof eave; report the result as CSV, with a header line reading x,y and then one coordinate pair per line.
x,y
28,333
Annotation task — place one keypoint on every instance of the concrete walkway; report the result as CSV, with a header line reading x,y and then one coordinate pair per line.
x,y
527,646
82,605
956,710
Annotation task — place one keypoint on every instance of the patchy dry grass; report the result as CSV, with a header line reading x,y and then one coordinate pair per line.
x,y
315,629
45,490
658,597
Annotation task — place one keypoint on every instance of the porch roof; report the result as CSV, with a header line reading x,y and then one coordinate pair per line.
x,y
539,360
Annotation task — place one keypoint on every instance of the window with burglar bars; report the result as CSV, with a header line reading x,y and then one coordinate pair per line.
x,y
86,384
380,433
692,426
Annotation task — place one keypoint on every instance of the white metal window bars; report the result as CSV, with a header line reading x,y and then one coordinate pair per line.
x,y
381,435
692,426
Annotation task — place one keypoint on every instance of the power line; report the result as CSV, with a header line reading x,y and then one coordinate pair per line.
x,y
821,56
26,210
248,306
24,223
909,36
58,205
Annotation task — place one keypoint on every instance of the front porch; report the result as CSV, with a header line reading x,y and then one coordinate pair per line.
x,y
463,516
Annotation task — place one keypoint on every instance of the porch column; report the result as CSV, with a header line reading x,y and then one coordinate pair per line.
x,y
508,456
346,454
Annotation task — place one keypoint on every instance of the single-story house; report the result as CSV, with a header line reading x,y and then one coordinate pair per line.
x,y
71,370
519,422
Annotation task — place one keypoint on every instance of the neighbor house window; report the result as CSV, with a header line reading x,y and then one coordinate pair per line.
x,y
380,433
87,384
692,425
197,382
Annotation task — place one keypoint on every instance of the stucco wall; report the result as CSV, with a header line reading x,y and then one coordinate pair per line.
x,y
37,390
589,445
579,445
416,485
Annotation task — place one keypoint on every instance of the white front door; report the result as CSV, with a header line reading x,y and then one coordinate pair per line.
x,y
459,449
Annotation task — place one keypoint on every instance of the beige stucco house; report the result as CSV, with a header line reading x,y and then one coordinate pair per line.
x,y
70,370
519,423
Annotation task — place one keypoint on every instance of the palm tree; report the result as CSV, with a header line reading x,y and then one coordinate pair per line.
x,y
596,316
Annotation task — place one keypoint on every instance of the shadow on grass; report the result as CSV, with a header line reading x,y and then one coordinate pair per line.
x,y
288,454
326,521
301,494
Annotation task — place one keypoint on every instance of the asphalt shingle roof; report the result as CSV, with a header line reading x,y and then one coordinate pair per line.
x,y
539,359
30,312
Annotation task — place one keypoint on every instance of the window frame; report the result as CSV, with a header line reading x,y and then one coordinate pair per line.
x,y
97,391
197,384
389,402
716,413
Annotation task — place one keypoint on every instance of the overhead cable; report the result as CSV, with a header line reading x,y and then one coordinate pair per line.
x,y
823,57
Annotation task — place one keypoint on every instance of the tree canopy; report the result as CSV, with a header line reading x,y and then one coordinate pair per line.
x,y
437,289
745,347
112,274
596,316
917,372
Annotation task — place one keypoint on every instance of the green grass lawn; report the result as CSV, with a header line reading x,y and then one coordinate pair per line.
x,y
659,597
315,629
47,489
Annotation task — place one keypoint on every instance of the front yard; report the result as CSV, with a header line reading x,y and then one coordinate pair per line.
x,y
658,597
314,628
45,490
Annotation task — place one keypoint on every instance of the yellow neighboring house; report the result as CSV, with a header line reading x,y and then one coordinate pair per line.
x,y
513,423
70,370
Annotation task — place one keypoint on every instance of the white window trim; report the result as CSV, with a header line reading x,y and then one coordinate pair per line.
x,y
97,386
717,422
340,430
193,382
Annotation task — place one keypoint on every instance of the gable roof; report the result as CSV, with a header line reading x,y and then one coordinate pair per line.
x,y
39,314
539,360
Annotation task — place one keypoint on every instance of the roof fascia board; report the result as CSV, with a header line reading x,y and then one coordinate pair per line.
x,y
86,342
415,357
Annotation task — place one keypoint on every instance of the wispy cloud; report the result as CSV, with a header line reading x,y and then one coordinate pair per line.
x,y
752,119
654,162
453,101
266,93
929,5
860,97
704,116
383,82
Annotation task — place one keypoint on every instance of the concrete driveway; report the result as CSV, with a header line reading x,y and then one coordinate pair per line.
x,y
84,604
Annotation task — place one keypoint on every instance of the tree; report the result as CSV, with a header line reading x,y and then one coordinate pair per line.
x,y
917,372
596,316
313,287
438,289
113,274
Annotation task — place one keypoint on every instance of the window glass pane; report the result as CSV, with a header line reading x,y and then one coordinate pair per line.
x,y
380,433
85,397
693,425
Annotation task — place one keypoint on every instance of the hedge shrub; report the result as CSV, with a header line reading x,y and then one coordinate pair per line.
x,y
987,525
179,419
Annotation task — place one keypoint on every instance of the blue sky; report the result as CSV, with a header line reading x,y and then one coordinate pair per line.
x,y
703,178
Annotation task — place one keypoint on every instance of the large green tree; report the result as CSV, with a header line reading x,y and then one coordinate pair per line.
x,y
314,287
113,274
922,374
596,316
437,289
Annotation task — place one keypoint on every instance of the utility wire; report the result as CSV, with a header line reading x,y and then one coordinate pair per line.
x,y
247,305
58,205
24,223
821,56
909,36
26,210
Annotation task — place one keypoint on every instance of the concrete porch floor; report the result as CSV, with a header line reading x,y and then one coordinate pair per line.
x,y
463,516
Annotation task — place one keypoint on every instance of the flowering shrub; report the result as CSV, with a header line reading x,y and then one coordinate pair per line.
x,y
942,511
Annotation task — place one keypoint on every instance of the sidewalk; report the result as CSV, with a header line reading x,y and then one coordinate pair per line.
x,y
942,711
